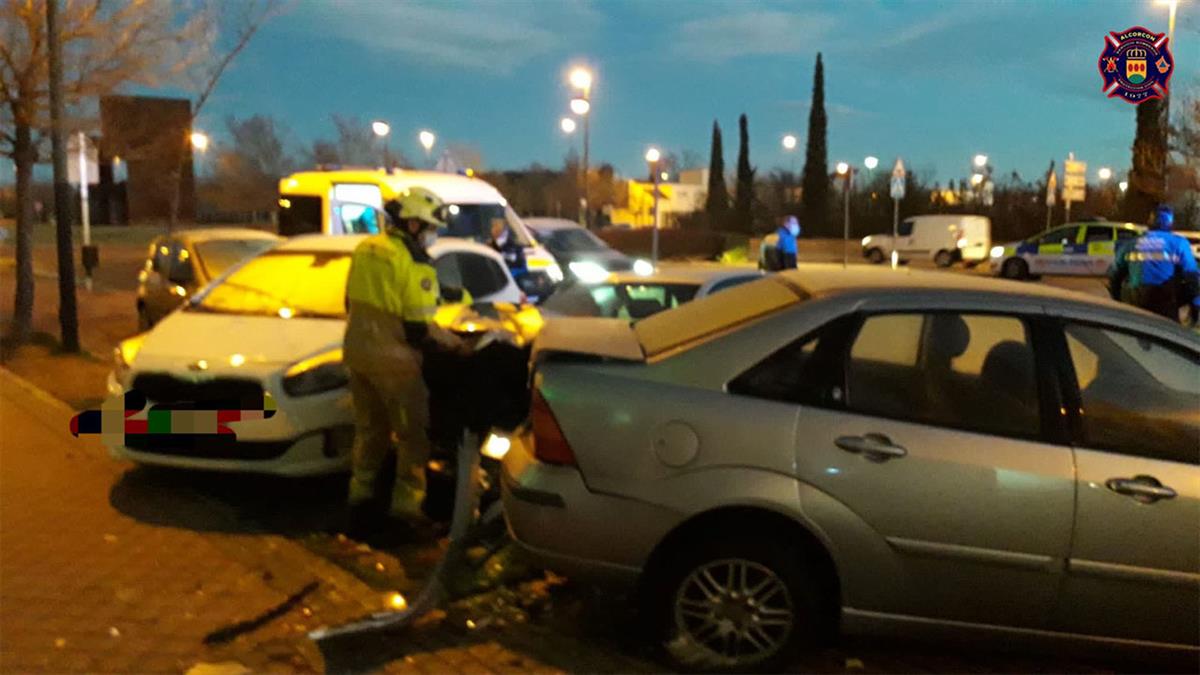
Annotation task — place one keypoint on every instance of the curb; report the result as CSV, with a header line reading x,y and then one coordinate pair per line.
x,y
36,391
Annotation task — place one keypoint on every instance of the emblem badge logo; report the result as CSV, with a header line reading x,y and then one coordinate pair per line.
x,y
1125,65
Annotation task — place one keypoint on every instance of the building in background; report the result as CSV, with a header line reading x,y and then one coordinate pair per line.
x,y
687,195
147,140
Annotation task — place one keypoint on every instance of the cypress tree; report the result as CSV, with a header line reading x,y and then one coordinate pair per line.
x,y
744,197
717,203
816,172
1149,163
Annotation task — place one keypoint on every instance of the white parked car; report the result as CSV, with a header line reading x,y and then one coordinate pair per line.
x,y
274,324
944,239
638,294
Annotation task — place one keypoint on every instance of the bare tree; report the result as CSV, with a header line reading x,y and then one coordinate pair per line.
x,y
104,46
240,20
247,173
356,145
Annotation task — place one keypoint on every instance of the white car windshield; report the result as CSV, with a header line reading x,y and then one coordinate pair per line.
x,y
282,283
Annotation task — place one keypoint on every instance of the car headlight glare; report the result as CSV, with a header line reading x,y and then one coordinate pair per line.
x,y
555,273
320,373
588,272
997,251
643,267
962,243
866,240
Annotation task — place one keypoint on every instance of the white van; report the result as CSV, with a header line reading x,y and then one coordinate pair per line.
x,y
944,239
349,201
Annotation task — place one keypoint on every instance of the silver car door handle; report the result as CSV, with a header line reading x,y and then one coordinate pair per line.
x,y
876,447
1143,488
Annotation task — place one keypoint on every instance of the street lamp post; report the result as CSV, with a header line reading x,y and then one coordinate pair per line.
x,y
581,105
847,172
427,140
652,157
382,129
1172,6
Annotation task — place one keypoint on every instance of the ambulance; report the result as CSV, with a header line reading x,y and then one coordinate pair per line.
x,y
350,201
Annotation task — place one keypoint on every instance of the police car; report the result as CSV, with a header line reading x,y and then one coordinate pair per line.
x,y
1081,249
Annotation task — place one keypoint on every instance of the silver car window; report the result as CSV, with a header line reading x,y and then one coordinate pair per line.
x,y
973,372
1139,396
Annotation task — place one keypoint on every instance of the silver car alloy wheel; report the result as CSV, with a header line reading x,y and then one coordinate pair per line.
x,y
731,612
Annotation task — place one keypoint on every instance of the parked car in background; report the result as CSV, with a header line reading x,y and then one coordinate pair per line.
x,y
630,295
874,450
179,264
274,324
1075,248
944,239
350,201
578,252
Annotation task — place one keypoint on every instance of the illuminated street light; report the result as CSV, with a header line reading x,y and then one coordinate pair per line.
x,y
871,162
981,161
653,155
789,142
199,141
567,125
580,106
664,175
976,179
382,129
842,168
1123,185
1104,173
427,139
581,78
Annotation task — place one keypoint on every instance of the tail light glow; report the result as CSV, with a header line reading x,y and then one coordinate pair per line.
x,y
549,443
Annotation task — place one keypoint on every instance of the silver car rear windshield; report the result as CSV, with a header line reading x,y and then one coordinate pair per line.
x,y
692,322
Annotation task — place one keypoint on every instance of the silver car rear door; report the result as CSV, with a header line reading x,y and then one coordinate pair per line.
x,y
1134,568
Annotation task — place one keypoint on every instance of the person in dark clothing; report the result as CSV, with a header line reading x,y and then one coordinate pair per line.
x,y
508,247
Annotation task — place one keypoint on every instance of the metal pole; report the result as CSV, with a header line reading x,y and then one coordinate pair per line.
x,y
85,216
895,230
68,318
587,216
654,245
1067,215
846,219
1167,108
386,164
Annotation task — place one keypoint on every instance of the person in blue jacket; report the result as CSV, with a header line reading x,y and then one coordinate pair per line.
x,y
1156,271
788,230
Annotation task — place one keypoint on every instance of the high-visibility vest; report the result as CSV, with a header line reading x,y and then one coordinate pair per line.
x,y
394,276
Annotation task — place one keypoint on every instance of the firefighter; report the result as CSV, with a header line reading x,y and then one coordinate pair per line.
x,y
392,293
1156,271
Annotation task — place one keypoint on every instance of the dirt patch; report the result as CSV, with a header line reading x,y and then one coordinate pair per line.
x,y
78,379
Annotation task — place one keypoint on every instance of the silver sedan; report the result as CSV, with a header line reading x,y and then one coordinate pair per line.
x,y
867,449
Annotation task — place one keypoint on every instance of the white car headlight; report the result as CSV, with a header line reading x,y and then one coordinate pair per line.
x,y
962,243
997,251
643,267
588,272
866,240
323,372
555,273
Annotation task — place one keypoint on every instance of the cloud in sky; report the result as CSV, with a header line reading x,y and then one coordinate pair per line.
x,y
488,35
752,33
831,107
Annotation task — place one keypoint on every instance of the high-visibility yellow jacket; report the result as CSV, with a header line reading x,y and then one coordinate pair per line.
x,y
392,293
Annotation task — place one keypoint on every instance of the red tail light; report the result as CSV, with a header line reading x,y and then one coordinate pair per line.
x,y
549,444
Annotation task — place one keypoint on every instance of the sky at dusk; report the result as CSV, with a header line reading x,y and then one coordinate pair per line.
x,y
934,82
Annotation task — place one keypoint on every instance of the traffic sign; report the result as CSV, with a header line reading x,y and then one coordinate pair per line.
x,y
898,175
1074,180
